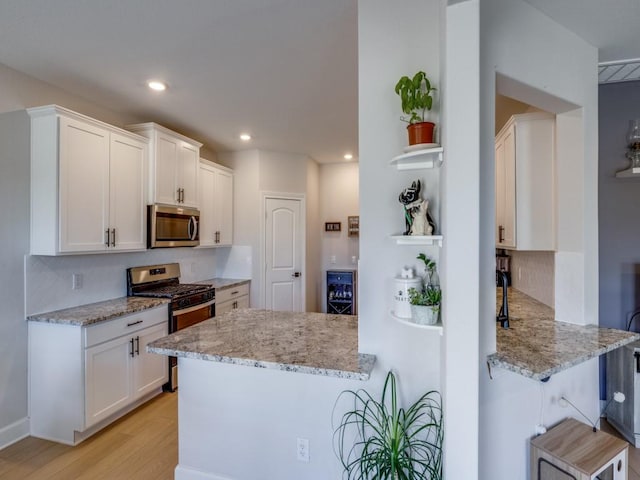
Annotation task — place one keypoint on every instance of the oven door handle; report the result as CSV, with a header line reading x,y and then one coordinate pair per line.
x,y
193,228
193,308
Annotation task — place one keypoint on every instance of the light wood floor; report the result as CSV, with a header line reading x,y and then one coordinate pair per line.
x,y
634,453
142,445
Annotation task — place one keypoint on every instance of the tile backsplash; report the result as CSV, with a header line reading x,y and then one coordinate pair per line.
x,y
533,273
48,280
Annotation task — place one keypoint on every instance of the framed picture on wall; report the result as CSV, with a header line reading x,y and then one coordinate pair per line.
x,y
353,225
332,226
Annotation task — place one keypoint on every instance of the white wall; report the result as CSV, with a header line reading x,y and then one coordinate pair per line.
x,y
460,260
257,172
339,192
312,269
14,237
530,50
394,39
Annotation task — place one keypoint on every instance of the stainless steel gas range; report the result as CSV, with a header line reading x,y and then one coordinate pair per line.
x,y
190,303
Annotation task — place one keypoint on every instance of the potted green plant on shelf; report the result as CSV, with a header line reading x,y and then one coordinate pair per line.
x,y
431,275
381,440
425,305
416,99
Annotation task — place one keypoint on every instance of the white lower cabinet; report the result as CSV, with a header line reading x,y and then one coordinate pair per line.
x,y
232,298
83,377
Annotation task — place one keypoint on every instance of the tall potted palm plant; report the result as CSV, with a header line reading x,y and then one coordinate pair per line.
x,y
391,443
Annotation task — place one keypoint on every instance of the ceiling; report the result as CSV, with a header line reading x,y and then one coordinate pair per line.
x,y
283,70
611,25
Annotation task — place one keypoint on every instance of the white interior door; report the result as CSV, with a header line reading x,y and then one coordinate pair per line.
x,y
283,255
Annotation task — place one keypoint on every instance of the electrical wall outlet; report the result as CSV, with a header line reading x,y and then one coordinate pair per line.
x,y
76,281
303,450
333,259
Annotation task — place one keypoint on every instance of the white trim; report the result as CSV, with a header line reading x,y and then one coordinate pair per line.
x,y
186,473
14,432
303,234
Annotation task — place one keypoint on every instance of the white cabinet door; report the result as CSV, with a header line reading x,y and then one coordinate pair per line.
x,y
127,202
207,206
108,378
166,158
216,206
506,189
240,302
188,167
525,195
224,202
150,371
173,165
83,186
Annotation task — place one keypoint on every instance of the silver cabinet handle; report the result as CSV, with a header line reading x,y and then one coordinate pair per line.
x,y
134,323
138,345
193,228
131,351
179,195
106,237
113,237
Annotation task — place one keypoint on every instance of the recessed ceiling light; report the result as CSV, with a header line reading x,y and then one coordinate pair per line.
x,y
348,156
245,137
157,86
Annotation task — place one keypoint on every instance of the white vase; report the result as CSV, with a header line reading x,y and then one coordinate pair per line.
x,y
425,315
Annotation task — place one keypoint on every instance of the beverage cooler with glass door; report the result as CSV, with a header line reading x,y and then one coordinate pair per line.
x,y
341,292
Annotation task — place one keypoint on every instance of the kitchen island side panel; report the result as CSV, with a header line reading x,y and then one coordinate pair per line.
x,y
224,406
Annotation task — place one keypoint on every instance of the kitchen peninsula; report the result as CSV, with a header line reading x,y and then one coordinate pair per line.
x,y
225,401
537,346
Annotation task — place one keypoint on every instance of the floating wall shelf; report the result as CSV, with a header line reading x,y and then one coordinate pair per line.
x,y
629,173
418,159
418,239
407,321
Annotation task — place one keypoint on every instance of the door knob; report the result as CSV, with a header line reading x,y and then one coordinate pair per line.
x,y
295,274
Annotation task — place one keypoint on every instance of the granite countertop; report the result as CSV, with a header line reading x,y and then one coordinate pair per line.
x,y
98,312
222,283
537,346
314,343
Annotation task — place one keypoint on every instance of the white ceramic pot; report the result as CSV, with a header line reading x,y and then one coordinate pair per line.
x,y
401,305
425,315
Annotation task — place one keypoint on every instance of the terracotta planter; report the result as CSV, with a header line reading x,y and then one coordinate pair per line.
x,y
420,132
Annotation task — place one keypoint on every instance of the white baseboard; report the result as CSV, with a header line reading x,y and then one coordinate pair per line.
x,y
14,432
186,473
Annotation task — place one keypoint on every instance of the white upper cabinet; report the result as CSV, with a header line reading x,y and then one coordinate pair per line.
x,y
87,185
127,192
216,205
173,166
525,183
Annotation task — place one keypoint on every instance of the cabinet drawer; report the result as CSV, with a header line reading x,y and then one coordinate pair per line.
x,y
231,293
239,302
102,332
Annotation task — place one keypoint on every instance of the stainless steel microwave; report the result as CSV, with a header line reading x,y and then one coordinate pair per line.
x,y
173,226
